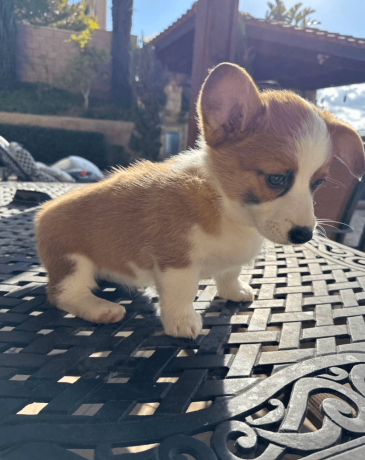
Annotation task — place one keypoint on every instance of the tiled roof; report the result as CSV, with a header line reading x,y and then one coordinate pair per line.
x,y
276,26
317,34
176,24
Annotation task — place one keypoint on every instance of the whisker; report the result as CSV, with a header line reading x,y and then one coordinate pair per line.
x,y
319,226
331,226
336,228
320,233
335,181
330,220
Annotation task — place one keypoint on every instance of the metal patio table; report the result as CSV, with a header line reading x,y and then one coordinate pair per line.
x,y
257,373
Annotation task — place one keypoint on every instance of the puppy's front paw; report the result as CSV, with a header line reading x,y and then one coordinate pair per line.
x,y
243,293
189,325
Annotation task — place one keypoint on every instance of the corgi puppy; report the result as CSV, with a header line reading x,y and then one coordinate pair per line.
x,y
201,214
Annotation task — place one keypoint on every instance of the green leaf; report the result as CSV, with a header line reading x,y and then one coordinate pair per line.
x,y
51,13
294,16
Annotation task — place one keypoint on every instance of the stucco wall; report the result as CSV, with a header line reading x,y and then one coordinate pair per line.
x,y
43,54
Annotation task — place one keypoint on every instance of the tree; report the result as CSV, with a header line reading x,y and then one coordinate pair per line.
x,y
294,16
51,13
121,48
148,83
8,45
87,65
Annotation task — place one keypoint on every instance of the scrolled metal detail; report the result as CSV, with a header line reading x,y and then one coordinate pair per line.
x,y
326,437
176,446
272,418
246,442
339,375
357,375
339,254
338,418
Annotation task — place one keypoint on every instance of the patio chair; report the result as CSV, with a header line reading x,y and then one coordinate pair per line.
x,y
19,162
337,200
361,244
10,164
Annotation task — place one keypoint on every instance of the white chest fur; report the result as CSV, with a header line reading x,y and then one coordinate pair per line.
x,y
234,246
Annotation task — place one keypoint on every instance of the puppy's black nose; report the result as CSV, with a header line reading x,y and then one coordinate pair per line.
x,y
300,235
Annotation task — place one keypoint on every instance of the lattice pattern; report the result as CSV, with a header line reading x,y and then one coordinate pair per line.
x,y
94,380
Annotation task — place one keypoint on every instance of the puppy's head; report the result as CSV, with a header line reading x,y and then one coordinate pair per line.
x,y
270,151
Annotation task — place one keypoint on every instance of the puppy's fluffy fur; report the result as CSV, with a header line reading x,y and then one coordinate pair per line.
x,y
201,214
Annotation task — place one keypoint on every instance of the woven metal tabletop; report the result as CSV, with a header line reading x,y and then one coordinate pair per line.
x,y
250,386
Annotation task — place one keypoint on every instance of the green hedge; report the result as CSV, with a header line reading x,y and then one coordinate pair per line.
x,y
49,145
44,100
38,100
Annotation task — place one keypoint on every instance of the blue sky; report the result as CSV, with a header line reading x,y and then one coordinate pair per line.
x,y
343,16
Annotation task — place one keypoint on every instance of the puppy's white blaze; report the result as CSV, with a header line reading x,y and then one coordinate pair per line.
x,y
313,148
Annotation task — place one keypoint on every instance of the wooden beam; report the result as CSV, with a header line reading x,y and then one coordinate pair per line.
x,y
214,42
290,52
338,77
305,42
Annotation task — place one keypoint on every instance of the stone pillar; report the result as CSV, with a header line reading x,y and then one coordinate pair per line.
x,y
173,104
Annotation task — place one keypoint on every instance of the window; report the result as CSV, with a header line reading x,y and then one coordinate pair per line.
x,y
172,141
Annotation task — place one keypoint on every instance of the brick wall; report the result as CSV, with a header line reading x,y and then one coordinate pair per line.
x,y
43,54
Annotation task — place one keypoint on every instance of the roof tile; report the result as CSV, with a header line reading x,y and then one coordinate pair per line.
x,y
317,34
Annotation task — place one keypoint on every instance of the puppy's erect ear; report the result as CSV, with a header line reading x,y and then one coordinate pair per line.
x,y
227,102
347,145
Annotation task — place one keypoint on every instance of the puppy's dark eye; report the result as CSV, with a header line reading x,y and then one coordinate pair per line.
x,y
317,184
276,180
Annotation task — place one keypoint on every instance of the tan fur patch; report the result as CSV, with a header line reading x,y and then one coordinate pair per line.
x,y
241,168
286,113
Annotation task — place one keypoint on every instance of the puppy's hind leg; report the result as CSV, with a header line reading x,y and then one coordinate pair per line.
x,y
74,293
